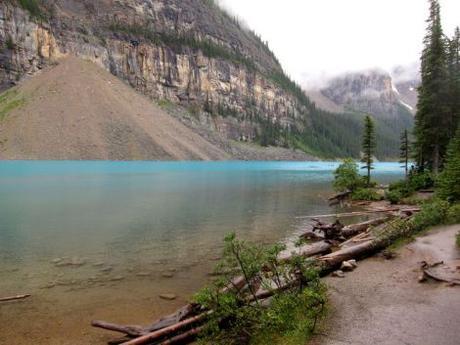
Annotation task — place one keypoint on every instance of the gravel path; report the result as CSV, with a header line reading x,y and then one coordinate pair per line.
x,y
381,302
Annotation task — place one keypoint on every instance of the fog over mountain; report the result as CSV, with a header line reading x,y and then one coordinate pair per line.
x,y
318,40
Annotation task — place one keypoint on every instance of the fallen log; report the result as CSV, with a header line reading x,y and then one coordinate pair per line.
x,y
362,237
427,271
306,251
338,198
361,213
136,331
133,331
14,298
184,337
354,229
149,337
336,258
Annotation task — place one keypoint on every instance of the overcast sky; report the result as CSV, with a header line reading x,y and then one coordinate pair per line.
x,y
317,38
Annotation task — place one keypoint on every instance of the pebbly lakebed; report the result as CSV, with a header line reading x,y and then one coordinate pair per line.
x,y
103,240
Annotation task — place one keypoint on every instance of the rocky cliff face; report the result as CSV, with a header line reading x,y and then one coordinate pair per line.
x,y
184,51
372,92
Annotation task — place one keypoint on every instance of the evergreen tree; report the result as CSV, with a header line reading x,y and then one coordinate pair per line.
x,y
432,118
368,147
404,151
449,180
454,81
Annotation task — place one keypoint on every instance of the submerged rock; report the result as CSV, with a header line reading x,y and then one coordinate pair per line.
x,y
48,286
168,296
106,269
99,264
167,274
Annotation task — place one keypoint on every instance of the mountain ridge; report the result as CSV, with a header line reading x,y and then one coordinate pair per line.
x,y
189,52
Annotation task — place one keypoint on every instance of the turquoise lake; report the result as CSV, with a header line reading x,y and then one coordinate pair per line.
x,y
103,239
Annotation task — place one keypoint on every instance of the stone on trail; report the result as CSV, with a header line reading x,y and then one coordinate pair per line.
x,y
348,266
353,263
338,274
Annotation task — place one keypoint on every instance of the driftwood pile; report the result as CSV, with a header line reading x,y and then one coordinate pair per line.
x,y
333,244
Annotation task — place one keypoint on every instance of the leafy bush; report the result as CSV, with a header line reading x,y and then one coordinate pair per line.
x,y
346,176
432,213
403,187
394,196
366,194
453,214
238,314
421,180
398,191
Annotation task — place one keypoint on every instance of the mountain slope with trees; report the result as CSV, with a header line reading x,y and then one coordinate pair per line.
x,y
190,53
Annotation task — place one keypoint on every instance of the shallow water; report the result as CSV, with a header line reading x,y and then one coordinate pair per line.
x,y
102,239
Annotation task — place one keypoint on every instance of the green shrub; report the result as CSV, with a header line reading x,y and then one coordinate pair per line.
x,y
421,180
346,176
403,187
240,318
432,213
453,214
366,194
393,196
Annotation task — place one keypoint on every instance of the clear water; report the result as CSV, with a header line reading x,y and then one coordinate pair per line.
x,y
121,225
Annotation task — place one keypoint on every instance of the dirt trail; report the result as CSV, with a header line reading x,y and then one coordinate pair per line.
x,y
381,302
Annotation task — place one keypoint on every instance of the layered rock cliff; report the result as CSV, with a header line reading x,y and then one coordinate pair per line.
x,y
185,51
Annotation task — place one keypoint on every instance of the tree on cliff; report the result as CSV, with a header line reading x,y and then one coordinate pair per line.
x,y
449,179
432,118
404,151
368,147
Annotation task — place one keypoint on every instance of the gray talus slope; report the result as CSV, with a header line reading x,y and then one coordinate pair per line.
x,y
76,110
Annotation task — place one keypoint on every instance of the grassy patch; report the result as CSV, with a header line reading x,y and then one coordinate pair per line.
x,y
165,103
9,100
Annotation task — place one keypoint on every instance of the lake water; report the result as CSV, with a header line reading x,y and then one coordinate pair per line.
x,y
101,240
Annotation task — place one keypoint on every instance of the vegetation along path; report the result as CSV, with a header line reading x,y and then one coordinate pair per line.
x,y
382,301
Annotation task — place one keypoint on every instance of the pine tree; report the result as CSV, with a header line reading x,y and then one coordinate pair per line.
x,y
454,82
368,147
404,151
432,118
449,180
